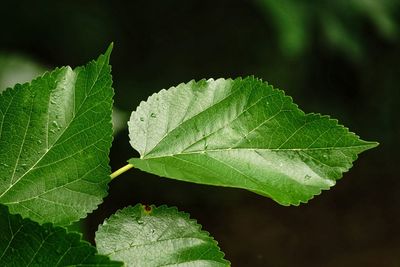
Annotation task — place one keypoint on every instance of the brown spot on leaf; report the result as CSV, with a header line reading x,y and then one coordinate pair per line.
x,y
147,208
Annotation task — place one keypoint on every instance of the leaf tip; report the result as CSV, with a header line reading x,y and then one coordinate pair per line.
x,y
373,144
369,144
108,51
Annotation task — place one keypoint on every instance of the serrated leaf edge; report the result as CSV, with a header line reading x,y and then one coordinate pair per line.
x,y
65,231
21,86
180,86
174,209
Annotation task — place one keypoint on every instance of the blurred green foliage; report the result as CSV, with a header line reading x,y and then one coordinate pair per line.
x,y
339,23
17,69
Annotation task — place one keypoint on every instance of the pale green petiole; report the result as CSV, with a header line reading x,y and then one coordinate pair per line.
x,y
121,170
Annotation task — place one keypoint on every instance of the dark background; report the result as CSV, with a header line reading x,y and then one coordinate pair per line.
x,y
334,57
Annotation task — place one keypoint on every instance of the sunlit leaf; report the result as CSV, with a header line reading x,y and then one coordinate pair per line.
x,y
241,133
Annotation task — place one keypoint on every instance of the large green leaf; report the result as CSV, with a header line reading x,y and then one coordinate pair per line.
x,y
149,236
26,243
241,133
55,136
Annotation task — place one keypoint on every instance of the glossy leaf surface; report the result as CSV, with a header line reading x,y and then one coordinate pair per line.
x,y
241,133
55,136
157,236
26,243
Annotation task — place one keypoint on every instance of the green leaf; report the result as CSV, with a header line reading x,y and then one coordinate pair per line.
x,y
55,136
241,133
157,236
26,243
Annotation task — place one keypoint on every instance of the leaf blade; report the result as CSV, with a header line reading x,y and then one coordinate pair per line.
x,y
215,126
157,236
55,134
26,243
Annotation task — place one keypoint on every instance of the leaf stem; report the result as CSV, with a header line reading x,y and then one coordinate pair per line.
x,y
121,170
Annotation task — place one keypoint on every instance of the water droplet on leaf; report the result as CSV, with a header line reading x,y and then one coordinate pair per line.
x,y
153,115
